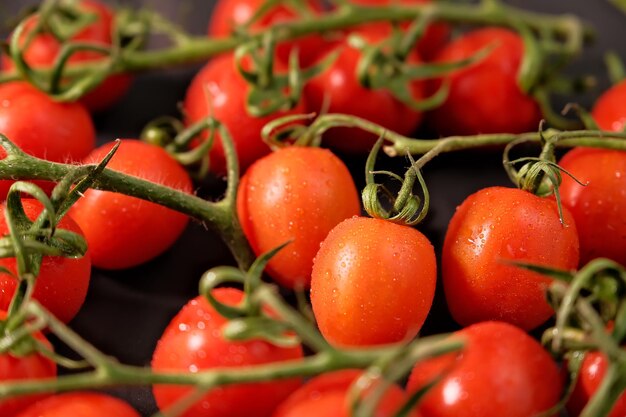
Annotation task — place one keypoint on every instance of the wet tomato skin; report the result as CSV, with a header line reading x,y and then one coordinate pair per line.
x,y
62,283
609,111
373,282
500,371
598,207
590,377
491,227
295,194
29,367
482,95
39,133
124,231
80,404
219,83
193,342
327,395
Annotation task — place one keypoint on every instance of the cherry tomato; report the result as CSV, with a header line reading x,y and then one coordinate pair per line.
x,y
491,227
220,84
485,97
591,374
193,342
62,283
373,282
326,395
340,88
609,111
501,371
599,206
296,194
229,14
30,367
80,404
124,231
433,39
45,48
39,132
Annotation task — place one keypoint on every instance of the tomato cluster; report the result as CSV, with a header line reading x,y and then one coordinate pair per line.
x,y
371,281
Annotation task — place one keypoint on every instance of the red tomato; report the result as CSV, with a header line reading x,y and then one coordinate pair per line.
x,y
45,48
598,208
485,97
373,282
193,342
30,367
326,395
39,132
341,88
296,194
220,84
229,14
491,227
500,372
80,404
124,231
609,111
433,39
590,377
62,282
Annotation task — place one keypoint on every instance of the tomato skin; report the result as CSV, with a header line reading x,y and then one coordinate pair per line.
x,y
598,207
591,374
39,133
373,282
434,38
501,371
327,395
45,48
80,404
490,227
340,86
124,231
228,14
220,83
482,97
62,283
33,366
193,342
296,194
609,112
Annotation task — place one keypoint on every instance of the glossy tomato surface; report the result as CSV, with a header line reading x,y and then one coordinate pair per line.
x,y
609,112
295,194
373,282
501,371
592,372
599,206
490,229
327,395
193,342
59,132
339,89
485,97
62,283
219,90
124,231
80,404
30,367
45,48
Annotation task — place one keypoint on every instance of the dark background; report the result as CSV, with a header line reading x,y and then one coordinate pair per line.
x,y
126,312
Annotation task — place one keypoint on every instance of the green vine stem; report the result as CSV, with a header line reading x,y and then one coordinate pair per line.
x,y
218,215
186,49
